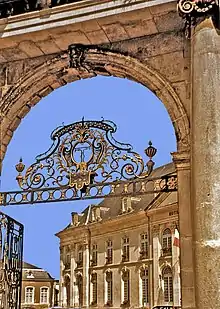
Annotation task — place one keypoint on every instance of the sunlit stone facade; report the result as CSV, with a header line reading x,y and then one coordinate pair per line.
x,y
122,253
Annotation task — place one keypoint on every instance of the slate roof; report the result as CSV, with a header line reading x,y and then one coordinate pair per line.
x,y
34,273
111,207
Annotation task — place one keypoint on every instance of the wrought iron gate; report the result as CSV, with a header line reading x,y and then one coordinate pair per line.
x,y
11,251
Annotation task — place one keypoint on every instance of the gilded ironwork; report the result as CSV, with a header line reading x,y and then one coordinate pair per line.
x,y
86,162
134,187
194,10
85,153
11,251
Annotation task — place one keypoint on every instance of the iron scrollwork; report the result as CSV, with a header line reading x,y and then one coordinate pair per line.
x,y
194,10
11,251
82,154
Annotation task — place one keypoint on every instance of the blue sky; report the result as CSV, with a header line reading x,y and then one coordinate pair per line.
x,y
140,117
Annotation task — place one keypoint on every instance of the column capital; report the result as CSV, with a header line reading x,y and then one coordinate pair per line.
x,y
195,11
181,160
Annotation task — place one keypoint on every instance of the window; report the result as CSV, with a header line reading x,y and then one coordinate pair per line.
x,y
109,288
168,285
125,249
167,242
94,289
94,255
144,246
109,252
44,295
126,287
29,295
67,261
80,257
144,285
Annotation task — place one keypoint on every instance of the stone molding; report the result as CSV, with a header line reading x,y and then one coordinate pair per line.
x,y
181,160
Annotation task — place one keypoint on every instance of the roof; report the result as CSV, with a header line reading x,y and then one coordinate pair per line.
x,y
111,207
34,273
29,266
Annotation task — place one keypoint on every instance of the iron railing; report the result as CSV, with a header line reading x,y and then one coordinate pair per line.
x,y
16,7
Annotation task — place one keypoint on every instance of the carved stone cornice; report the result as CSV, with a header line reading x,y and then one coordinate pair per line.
x,y
181,160
195,11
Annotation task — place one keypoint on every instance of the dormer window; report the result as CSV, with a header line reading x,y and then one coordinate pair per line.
x,y
126,205
75,219
96,214
30,275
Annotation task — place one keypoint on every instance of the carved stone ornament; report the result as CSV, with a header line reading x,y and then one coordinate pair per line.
x,y
193,11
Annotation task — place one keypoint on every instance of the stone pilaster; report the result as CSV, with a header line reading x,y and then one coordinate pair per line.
x,y
182,163
156,254
61,298
86,276
205,163
72,274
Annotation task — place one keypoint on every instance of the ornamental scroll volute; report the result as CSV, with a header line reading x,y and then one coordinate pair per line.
x,y
85,153
193,11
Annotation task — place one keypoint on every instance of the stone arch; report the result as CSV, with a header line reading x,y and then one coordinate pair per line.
x,y
55,72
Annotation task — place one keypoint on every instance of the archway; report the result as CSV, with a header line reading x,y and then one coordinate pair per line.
x,y
55,72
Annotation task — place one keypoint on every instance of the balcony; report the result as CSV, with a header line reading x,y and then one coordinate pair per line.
x,y
16,7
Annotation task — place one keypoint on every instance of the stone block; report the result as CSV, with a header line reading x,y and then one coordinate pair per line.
x,y
169,22
30,48
12,54
48,46
97,37
115,32
64,40
172,66
140,28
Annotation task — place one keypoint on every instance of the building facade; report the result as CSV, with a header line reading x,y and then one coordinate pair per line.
x,y
39,289
122,253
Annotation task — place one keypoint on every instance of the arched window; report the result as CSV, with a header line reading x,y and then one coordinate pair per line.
x,y
168,284
109,286
167,242
67,286
94,288
144,286
126,287
29,295
44,295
